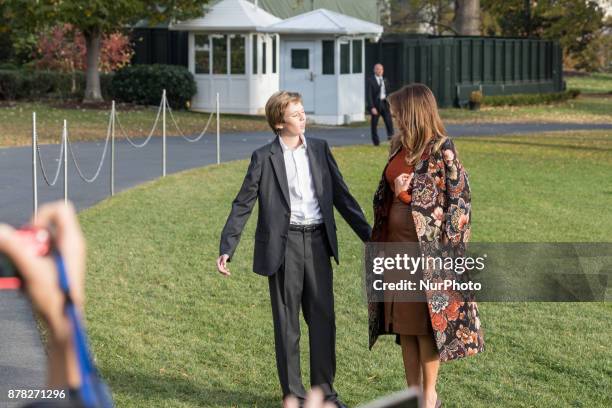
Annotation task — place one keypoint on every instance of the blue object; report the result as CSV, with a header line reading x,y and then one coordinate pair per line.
x,y
93,392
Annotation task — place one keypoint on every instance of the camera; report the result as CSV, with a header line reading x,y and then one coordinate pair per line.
x,y
38,243
408,398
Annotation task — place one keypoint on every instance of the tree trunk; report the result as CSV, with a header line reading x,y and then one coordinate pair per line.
x,y
73,77
467,17
92,88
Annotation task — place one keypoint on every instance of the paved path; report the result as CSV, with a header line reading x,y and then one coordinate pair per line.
x,y
22,358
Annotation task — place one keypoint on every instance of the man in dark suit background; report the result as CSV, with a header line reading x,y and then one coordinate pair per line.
x,y
297,184
377,89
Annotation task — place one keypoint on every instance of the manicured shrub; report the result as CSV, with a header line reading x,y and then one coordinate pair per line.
x,y
143,85
530,99
10,84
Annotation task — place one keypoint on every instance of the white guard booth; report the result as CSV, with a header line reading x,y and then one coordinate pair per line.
x,y
322,56
246,54
229,54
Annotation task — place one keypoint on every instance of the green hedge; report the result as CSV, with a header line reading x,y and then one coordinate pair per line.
x,y
143,84
530,99
25,84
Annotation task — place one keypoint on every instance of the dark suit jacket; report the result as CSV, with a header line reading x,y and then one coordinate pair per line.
x,y
266,181
373,92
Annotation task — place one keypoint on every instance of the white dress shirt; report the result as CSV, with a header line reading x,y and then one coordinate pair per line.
x,y
383,91
305,208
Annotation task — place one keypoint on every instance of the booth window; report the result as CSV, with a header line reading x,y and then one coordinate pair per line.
x,y
299,58
345,58
202,54
237,62
254,48
328,57
219,44
274,55
357,52
264,54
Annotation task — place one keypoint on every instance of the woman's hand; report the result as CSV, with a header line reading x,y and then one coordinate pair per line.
x,y
402,182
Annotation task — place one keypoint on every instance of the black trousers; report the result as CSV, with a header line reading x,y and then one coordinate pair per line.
x,y
383,110
305,280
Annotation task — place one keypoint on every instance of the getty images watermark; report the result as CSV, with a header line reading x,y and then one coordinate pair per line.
x,y
542,272
406,264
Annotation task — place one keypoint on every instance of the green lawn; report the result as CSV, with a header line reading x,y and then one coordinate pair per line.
x,y
594,83
168,331
91,124
584,109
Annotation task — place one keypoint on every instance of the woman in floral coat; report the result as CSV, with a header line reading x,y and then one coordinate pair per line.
x,y
424,197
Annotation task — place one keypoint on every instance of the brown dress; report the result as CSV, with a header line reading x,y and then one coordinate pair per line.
x,y
402,316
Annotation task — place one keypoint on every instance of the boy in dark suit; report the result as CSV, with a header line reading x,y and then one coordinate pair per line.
x,y
297,184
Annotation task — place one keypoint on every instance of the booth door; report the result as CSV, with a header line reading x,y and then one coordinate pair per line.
x,y
300,73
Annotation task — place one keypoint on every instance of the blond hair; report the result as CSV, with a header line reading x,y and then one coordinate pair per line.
x,y
415,111
276,106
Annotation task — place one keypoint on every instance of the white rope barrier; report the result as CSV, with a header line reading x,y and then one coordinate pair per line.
x,y
65,142
34,167
113,122
164,150
180,131
127,137
99,168
42,165
112,164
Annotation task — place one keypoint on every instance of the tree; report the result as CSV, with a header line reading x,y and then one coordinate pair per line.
x,y
62,48
467,17
16,45
575,23
94,19
433,16
598,54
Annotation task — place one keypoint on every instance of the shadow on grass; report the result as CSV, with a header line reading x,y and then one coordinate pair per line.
x,y
161,390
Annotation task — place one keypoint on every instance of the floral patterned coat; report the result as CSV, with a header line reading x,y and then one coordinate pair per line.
x,y
441,211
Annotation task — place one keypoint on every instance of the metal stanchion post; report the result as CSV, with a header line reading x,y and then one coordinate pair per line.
x,y
65,141
34,169
164,102
218,133
112,163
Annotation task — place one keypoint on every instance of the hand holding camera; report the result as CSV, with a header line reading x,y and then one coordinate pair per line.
x,y
25,249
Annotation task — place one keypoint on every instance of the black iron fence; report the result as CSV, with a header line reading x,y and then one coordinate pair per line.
x,y
453,67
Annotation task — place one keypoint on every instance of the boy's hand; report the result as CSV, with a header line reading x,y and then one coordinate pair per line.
x,y
222,265
374,111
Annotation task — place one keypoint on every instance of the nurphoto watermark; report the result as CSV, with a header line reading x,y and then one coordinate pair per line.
x,y
497,272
